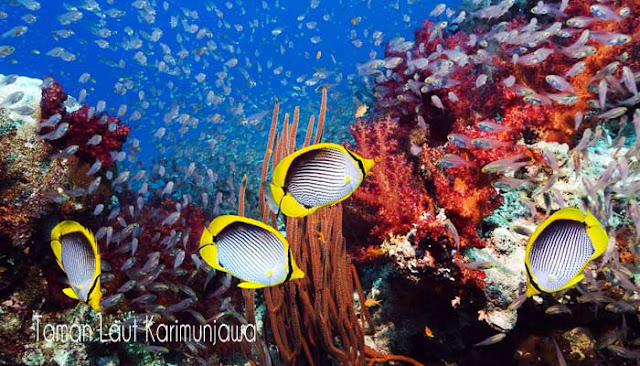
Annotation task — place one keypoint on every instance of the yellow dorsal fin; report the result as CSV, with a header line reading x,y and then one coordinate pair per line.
x,y
56,246
368,164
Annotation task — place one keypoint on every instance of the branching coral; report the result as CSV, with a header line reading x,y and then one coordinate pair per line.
x,y
392,198
476,93
315,318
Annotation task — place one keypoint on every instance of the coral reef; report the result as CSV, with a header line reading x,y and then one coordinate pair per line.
x,y
84,124
150,264
391,181
481,128
315,319
501,121
27,173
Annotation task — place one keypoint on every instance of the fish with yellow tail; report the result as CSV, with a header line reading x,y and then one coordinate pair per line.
x,y
316,176
76,252
249,250
560,248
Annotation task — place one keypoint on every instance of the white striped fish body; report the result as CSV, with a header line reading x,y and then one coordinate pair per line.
x,y
316,176
252,254
249,250
76,252
79,263
559,254
321,177
560,248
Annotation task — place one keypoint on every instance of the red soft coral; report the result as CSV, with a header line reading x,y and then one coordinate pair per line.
x,y
392,197
82,127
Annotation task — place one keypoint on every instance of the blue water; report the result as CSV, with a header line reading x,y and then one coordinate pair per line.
x,y
255,46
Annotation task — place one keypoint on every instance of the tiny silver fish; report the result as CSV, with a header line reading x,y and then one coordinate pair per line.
x,y
128,264
127,286
613,113
437,102
122,177
168,189
557,309
491,340
17,31
57,133
111,301
481,80
98,210
179,259
611,38
564,98
94,140
68,151
171,219
576,69
95,167
12,99
604,12
558,82
509,81
602,93
629,80
24,110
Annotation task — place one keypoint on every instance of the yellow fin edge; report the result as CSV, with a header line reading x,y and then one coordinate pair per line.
x,y
69,292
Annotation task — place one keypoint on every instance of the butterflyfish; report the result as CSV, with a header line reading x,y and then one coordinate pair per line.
x,y
76,252
560,248
249,250
316,176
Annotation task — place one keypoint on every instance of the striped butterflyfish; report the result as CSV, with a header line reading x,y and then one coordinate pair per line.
x,y
249,250
76,252
560,248
316,176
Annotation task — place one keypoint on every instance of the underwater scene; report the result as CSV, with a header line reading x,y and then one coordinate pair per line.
x,y
316,182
